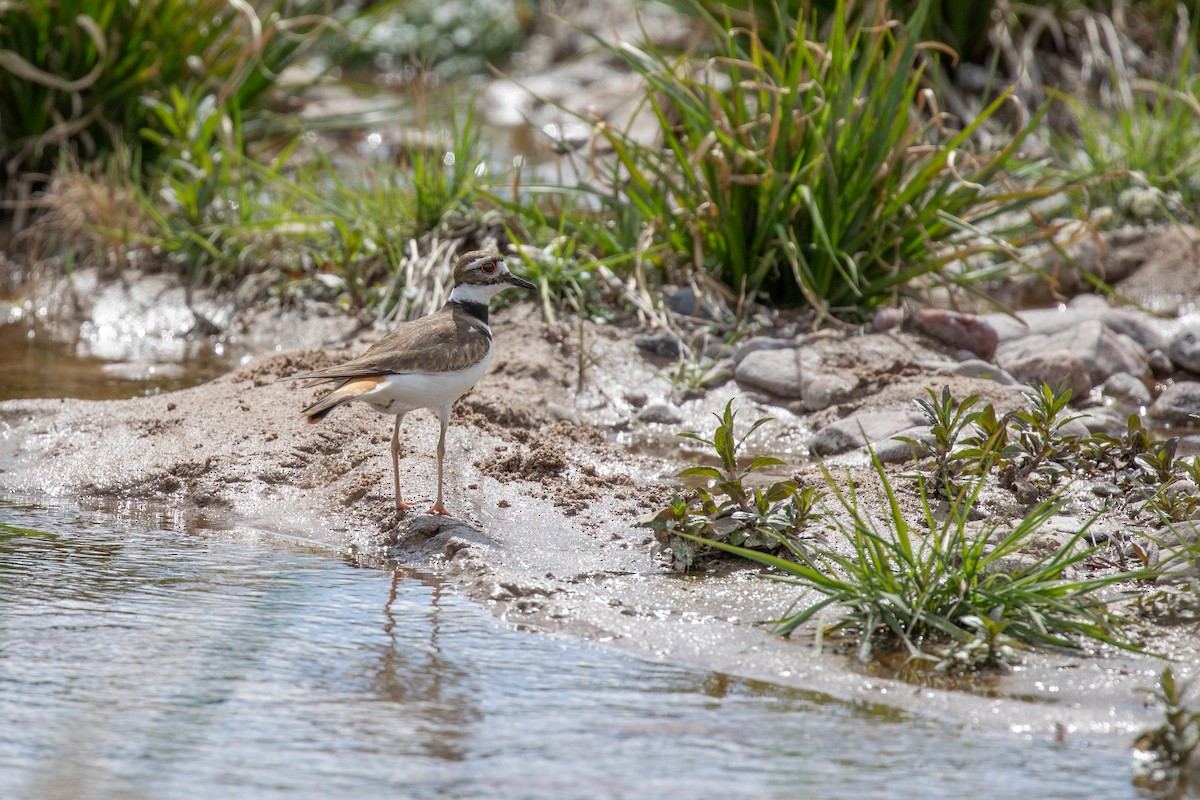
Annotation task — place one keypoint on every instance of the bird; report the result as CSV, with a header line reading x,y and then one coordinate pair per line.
x,y
429,362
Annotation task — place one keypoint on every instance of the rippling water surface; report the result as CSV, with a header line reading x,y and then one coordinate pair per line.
x,y
143,658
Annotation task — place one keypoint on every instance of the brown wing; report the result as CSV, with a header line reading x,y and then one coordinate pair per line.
x,y
442,342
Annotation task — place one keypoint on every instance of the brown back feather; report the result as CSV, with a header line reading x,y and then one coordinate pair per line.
x,y
441,342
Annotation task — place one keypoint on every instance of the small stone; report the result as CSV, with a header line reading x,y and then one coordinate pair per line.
x,y
1160,364
1126,388
636,398
563,413
1178,403
894,451
1185,348
887,318
855,431
771,370
1103,351
1049,367
978,368
1104,489
660,343
661,413
964,331
683,301
1102,419
821,390
757,343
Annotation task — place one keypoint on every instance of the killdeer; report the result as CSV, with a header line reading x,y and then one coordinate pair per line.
x,y
426,363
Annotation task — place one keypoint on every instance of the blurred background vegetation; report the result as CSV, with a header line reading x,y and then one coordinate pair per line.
x,y
830,154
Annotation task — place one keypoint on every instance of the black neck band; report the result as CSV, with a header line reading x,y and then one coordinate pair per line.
x,y
477,310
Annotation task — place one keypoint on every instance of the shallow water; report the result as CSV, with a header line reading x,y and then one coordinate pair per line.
x,y
34,364
147,656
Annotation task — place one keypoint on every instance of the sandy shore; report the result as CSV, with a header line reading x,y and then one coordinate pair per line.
x,y
546,479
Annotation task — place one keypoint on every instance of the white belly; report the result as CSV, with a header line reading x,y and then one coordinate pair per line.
x,y
399,394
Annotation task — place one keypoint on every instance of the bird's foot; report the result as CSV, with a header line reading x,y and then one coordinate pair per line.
x,y
403,508
439,509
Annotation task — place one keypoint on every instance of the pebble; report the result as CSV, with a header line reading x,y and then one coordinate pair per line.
x,y
1185,348
774,371
757,343
1126,388
1160,364
1050,366
1177,403
894,451
821,390
962,331
660,343
1049,321
683,301
1103,351
978,368
662,413
855,431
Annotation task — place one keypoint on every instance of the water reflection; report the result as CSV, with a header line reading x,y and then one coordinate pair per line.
x,y
37,365
193,662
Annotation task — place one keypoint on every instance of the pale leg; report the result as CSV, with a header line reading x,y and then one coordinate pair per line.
x,y
444,418
400,505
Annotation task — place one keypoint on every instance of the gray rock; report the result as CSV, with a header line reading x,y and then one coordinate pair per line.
x,y
978,368
1180,533
793,376
1185,348
563,414
855,431
662,413
756,343
1021,347
660,343
893,451
1049,367
821,390
1177,403
1160,364
683,301
1127,389
1102,420
1103,351
1144,330
772,370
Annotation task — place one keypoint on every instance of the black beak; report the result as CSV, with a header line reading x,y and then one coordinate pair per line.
x,y
515,281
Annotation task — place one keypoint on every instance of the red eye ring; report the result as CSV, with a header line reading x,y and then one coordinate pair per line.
x,y
487,267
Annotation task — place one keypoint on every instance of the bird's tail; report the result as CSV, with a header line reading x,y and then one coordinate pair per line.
x,y
347,392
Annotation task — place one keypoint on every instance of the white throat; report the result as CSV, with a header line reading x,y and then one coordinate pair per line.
x,y
475,292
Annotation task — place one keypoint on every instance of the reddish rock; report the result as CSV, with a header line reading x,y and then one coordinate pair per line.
x,y
960,331
1051,366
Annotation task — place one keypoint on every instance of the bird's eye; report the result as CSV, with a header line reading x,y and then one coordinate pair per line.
x,y
487,267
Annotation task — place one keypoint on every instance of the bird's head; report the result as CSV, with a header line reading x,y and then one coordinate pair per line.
x,y
480,274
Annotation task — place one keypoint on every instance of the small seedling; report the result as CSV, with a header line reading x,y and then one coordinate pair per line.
x,y
1042,452
946,462
1165,752
726,509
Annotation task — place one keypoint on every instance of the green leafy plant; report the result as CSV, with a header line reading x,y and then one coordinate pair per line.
x,y
1165,752
1041,452
945,462
726,509
929,583
799,169
74,70
1148,142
